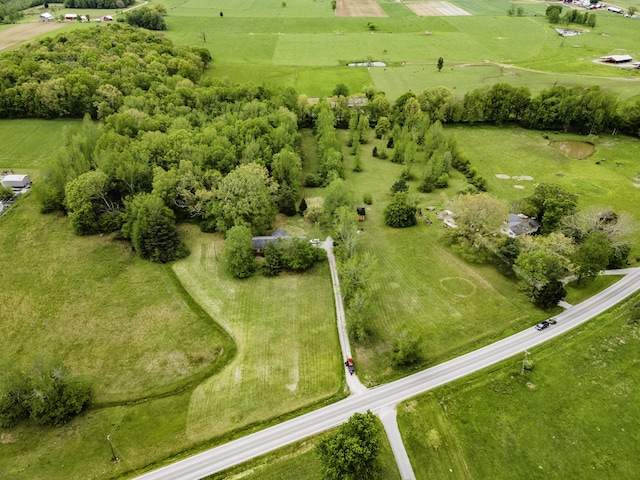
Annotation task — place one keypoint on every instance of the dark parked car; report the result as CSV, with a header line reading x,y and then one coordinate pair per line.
x,y
542,325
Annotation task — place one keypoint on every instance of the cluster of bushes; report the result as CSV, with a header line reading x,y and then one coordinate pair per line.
x,y
44,394
291,254
572,15
149,18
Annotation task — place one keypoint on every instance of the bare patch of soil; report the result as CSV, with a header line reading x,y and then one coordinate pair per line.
x,y
20,33
574,148
359,8
436,9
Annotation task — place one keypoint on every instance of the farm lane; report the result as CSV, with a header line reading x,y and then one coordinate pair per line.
x,y
385,396
388,416
353,382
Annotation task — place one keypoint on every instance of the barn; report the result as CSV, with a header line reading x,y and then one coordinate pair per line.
x,y
617,58
71,16
46,17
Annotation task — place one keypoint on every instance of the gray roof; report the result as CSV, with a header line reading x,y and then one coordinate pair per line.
x,y
521,224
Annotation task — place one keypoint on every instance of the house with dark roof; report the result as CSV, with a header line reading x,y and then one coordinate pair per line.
x,y
260,242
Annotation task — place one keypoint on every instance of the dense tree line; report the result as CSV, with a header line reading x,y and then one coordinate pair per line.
x,y
98,3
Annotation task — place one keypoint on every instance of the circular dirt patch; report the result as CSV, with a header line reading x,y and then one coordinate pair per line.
x,y
502,176
523,177
574,148
458,286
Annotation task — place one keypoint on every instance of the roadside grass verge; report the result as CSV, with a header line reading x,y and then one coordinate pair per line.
x,y
288,354
572,416
300,461
577,293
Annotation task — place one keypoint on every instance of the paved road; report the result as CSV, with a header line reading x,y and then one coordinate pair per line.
x,y
376,399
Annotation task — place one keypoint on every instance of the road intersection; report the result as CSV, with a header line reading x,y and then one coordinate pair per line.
x,y
381,398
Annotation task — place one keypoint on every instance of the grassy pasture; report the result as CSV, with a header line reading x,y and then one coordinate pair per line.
x,y
89,302
573,416
517,152
421,286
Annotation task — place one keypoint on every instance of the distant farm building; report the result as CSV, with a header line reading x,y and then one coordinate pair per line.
x,y
617,58
107,18
46,17
71,16
615,9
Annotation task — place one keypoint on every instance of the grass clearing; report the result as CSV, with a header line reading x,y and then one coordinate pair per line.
x,y
573,416
288,353
579,293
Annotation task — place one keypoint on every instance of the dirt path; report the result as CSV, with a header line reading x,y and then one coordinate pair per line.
x,y
24,31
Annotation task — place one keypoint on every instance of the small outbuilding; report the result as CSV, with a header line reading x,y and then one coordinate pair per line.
x,y
71,16
46,17
16,181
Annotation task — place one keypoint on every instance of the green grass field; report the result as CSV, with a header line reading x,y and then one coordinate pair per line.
x,y
303,45
573,416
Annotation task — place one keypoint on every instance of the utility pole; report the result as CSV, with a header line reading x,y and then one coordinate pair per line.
x,y
526,354
113,452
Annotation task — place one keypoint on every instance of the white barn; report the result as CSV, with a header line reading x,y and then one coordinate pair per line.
x,y
46,17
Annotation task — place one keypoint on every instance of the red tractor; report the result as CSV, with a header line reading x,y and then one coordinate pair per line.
x,y
350,366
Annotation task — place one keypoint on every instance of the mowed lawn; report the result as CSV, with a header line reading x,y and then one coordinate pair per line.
x,y
288,353
574,416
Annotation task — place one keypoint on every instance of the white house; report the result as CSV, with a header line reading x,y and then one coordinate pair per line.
x,y
46,17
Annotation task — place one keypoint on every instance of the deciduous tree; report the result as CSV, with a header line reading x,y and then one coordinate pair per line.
x,y
238,252
351,453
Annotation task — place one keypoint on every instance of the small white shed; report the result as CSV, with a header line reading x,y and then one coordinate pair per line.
x,y
16,181
46,17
